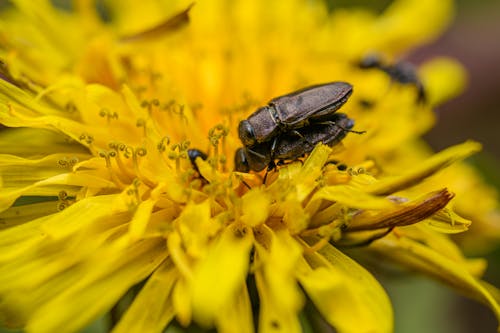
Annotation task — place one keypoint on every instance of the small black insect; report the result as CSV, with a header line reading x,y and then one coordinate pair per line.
x,y
402,72
292,111
290,146
193,154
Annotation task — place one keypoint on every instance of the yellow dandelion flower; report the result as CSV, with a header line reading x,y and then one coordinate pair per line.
x,y
105,205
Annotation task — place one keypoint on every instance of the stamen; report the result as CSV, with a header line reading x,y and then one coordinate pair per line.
x,y
163,144
141,122
120,147
67,162
150,105
107,157
108,114
134,152
178,152
133,190
70,107
64,200
162,147
173,107
218,135
86,138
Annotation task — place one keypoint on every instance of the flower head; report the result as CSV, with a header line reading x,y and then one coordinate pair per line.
x,y
99,197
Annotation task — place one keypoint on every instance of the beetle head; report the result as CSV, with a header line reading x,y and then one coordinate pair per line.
x,y
246,133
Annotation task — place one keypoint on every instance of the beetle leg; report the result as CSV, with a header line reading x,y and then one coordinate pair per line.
x,y
271,166
297,133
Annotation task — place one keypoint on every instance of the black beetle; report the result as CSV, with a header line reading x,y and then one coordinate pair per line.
x,y
402,72
293,111
290,147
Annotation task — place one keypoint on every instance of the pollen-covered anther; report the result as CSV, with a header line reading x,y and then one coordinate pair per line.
x,y
163,144
62,195
173,107
119,149
141,122
134,153
104,154
217,137
70,107
67,162
64,200
150,105
178,151
86,138
356,171
133,191
105,113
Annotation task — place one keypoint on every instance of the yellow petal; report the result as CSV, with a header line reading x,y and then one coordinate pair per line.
x,y
279,295
237,315
399,25
346,295
255,207
424,169
139,222
352,197
455,274
106,277
219,276
181,303
447,221
23,213
311,170
31,142
151,310
443,78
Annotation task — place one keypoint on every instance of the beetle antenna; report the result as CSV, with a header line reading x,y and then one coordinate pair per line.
x,y
350,130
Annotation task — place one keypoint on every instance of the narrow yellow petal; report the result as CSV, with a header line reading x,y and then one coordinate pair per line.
x,y
110,274
31,142
417,256
442,244
23,213
447,221
151,310
347,295
255,207
352,197
139,222
424,169
194,219
279,295
219,276
236,317
444,79
399,23
311,170
181,303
